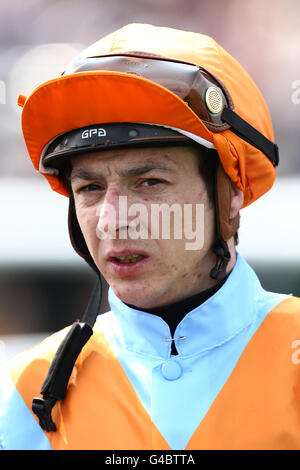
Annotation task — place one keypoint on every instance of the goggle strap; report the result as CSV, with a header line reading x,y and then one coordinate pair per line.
x,y
248,133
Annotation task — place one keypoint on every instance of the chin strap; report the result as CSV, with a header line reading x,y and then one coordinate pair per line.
x,y
225,228
55,385
222,252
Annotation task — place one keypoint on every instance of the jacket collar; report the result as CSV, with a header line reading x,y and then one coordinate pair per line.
x,y
214,322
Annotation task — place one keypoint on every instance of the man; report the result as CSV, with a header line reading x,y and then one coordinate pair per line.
x,y
194,354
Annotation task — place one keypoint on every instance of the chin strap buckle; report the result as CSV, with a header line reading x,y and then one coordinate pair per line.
x,y
42,407
222,252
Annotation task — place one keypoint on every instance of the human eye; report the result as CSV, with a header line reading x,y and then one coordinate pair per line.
x,y
89,188
148,182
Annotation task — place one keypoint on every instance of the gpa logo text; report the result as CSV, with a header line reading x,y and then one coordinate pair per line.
x,y
88,133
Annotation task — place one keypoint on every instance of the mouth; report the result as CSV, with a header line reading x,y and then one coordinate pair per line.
x,y
127,262
126,255
128,259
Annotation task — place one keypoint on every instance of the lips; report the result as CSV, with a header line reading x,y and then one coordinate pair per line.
x,y
127,262
129,259
126,255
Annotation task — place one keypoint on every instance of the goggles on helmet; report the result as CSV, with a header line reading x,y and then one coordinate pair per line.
x,y
205,94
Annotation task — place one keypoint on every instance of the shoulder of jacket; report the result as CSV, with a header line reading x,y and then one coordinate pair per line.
x,y
38,356
284,318
289,306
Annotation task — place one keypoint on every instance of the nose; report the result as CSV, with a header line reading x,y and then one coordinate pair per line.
x,y
112,214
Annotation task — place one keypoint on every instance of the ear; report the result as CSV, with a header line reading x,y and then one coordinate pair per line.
x,y
237,200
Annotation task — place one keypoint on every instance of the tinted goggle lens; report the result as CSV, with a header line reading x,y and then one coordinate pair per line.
x,y
204,94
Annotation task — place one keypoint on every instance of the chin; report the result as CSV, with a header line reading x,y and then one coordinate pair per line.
x,y
135,295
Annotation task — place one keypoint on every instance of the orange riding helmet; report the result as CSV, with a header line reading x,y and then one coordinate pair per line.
x,y
85,96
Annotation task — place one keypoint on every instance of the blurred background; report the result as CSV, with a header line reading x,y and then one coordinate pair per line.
x,y
44,285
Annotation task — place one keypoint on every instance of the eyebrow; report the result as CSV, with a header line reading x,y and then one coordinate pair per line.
x,y
88,175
